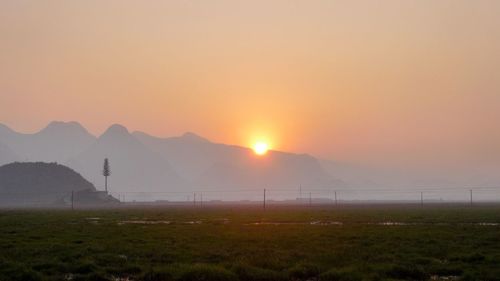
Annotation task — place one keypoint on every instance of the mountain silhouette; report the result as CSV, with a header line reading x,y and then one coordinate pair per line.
x,y
140,162
45,183
212,165
134,167
57,142
189,154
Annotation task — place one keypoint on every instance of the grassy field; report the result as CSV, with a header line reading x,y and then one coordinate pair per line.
x,y
245,243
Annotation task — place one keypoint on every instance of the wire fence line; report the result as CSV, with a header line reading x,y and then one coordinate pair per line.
x,y
300,195
320,190
451,194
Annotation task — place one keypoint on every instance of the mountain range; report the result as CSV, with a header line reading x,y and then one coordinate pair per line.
x,y
145,163
147,167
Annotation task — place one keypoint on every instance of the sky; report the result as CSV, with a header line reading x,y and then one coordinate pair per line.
x,y
387,83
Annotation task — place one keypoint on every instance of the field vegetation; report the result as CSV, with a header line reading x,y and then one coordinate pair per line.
x,y
246,243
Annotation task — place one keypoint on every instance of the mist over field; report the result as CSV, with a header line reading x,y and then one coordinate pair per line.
x,y
149,168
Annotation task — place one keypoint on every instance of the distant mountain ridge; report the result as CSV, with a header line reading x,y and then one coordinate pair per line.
x,y
207,164
140,162
169,168
57,142
134,166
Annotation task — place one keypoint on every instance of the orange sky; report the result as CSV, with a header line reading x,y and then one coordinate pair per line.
x,y
380,82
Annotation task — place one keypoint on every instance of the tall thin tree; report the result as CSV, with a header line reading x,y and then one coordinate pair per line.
x,y
106,172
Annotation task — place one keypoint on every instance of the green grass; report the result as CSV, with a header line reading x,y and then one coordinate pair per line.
x,y
224,244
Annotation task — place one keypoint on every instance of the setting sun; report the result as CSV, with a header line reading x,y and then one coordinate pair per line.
x,y
260,148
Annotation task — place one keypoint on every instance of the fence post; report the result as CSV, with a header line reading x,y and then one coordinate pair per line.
x,y
264,199
471,197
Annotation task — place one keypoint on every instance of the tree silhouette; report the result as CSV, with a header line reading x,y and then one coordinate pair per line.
x,y
106,172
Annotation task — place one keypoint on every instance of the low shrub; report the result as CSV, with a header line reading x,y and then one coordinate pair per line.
x,y
158,274
340,275
205,272
407,272
303,271
15,271
84,268
252,273
95,276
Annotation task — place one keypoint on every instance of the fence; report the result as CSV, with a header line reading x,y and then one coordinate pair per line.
x,y
317,195
266,196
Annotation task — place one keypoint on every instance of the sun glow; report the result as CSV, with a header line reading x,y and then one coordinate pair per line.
x,y
260,148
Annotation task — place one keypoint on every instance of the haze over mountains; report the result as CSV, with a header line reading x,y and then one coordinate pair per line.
x,y
207,164
145,163
141,162
57,142
134,166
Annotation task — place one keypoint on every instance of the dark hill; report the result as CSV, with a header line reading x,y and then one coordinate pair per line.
x,y
44,183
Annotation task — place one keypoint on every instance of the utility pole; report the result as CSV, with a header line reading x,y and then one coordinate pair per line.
x,y
310,200
300,193
471,197
264,199
201,199
421,199
72,200
194,199
336,202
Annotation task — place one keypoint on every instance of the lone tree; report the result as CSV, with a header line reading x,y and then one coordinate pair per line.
x,y
106,172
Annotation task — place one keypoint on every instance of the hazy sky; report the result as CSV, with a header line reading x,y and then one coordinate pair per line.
x,y
381,82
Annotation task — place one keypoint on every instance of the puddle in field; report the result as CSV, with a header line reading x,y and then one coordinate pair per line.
x,y
385,223
122,278
157,222
191,222
94,220
326,223
221,221
320,223
394,223
275,223
225,221
143,222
